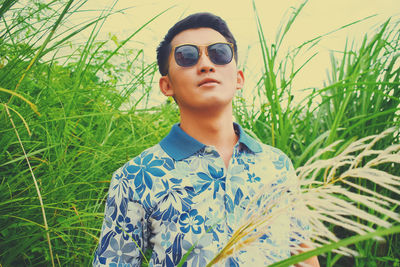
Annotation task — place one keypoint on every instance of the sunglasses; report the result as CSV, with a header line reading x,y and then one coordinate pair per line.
x,y
187,55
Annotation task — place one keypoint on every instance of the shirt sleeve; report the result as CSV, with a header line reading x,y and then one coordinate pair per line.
x,y
124,233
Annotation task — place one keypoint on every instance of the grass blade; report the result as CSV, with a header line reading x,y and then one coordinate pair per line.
x,y
36,186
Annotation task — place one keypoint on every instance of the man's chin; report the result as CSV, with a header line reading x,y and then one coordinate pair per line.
x,y
210,106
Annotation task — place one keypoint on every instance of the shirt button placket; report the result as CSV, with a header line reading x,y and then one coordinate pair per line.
x,y
227,193
219,163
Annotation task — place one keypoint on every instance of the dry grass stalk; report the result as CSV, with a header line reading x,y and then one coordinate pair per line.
x,y
335,201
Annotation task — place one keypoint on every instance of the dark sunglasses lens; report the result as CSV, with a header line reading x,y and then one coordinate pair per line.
x,y
186,55
220,53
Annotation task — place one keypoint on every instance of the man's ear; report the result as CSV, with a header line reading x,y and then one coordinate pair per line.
x,y
165,86
240,79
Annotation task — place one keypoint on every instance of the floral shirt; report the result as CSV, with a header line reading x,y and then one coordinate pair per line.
x,y
178,194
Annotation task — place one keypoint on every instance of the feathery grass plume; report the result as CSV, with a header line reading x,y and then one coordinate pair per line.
x,y
341,199
261,212
333,198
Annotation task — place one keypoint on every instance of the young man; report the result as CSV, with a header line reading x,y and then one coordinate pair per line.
x,y
192,188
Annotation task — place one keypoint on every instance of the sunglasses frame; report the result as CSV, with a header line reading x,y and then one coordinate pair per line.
x,y
200,51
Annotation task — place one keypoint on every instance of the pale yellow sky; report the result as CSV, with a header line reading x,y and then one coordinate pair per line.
x,y
318,17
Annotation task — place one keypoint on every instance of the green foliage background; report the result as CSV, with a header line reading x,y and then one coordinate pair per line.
x,y
82,132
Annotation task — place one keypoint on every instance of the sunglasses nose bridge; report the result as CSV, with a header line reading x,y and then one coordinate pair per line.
x,y
200,48
205,48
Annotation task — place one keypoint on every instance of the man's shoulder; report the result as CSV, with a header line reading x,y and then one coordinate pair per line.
x,y
150,157
268,150
273,159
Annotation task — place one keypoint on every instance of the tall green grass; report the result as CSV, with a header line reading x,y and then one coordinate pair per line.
x,y
72,118
361,97
78,137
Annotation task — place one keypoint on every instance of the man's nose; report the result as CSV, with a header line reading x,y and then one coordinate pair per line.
x,y
205,65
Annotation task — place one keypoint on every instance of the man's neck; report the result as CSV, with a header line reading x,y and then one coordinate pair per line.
x,y
213,130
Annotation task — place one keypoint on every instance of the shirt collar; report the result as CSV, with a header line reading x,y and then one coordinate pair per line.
x,y
179,145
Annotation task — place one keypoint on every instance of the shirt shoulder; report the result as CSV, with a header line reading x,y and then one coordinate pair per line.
x,y
139,174
145,158
274,167
272,154
268,149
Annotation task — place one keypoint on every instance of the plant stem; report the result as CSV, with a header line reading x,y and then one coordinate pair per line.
x,y
36,186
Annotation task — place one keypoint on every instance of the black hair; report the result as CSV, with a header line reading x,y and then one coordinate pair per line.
x,y
197,20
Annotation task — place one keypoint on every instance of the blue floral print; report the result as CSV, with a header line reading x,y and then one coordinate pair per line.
x,y
200,256
124,226
179,196
120,251
143,168
191,221
166,239
215,178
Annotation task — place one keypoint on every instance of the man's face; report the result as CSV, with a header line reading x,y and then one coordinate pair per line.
x,y
204,86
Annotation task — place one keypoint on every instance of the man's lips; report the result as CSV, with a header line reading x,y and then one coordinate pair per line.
x,y
208,81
